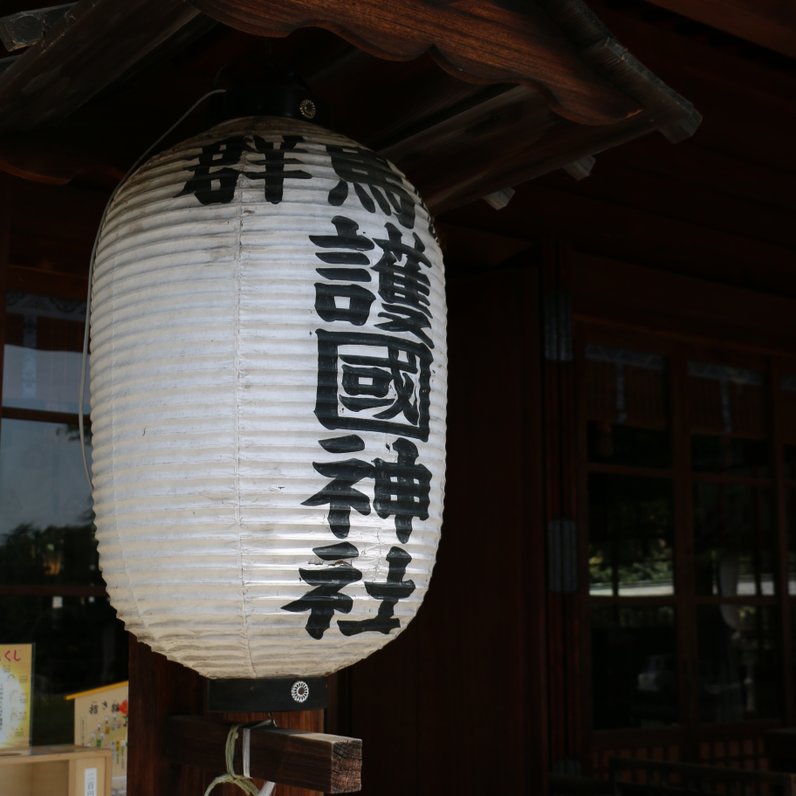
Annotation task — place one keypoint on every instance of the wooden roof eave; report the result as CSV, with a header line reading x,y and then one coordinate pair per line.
x,y
478,41
558,53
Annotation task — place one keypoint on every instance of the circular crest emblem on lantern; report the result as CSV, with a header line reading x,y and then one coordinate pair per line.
x,y
299,691
268,400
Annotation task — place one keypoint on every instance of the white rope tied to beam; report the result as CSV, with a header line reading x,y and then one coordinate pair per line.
x,y
242,781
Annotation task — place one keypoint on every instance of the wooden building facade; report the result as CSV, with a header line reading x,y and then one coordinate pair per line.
x,y
617,571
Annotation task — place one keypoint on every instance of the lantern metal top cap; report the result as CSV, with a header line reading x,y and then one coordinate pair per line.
x,y
280,95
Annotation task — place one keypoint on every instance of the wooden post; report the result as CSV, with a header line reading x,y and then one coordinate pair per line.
x,y
319,761
159,688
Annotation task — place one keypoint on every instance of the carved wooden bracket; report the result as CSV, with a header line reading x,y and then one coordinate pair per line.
x,y
321,762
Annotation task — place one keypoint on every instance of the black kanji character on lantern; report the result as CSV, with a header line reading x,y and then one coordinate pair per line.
x,y
404,319
373,382
374,182
214,178
402,488
339,494
349,245
340,552
273,168
349,303
404,287
323,600
394,589
350,443
343,302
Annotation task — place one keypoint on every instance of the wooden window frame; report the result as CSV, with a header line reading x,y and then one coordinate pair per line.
x,y
633,307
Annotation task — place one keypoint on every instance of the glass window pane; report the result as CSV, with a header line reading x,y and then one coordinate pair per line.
x,y
793,639
46,522
634,671
727,418
79,644
627,407
631,540
733,540
790,461
739,671
788,420
730,456
43,353
790,508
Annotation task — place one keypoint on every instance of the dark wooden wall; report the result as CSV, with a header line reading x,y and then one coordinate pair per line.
x,y
694,239
466,698
456,704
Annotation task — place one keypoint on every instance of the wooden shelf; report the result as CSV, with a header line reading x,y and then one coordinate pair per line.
x,y
56,771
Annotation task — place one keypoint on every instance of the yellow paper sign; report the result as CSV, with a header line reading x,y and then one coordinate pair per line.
x,y
101,722
16,669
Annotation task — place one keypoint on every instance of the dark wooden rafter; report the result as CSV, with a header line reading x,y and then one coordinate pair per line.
x,y
95,44
28,27
769,23
456,175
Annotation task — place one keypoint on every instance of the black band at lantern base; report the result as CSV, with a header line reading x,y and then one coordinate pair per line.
x,y
267,694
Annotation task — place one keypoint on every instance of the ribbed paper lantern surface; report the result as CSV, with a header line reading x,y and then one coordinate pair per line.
x,y
268,400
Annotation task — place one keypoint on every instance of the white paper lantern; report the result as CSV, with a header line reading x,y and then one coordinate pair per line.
x,y
268,400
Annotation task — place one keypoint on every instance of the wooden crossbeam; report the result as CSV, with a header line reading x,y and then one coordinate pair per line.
x,y
101,42
318,761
